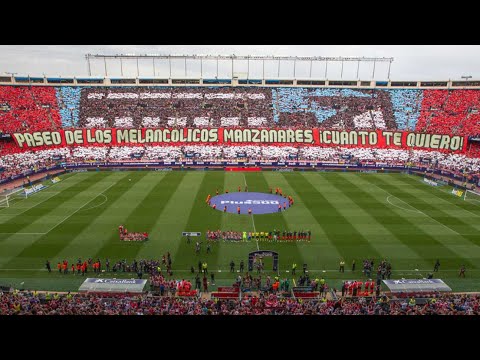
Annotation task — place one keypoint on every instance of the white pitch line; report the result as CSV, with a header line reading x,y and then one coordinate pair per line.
x,y
20,233
81,207
388,200
253,221
438,222
40,201
31,207
93,207
448,192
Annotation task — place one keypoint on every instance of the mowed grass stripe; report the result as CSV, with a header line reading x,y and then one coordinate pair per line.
x,y
370,218
48,245
201,218
18,206
410,245
462,248
464,208
451,206
142,218
344,235
40,217
445,214
101,222
422,199
289,252
363,222
236,251
166,234
320,250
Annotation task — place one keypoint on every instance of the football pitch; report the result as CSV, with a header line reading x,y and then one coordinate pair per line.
x,y
352,216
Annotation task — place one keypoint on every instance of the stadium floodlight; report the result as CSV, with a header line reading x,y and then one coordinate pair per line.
x,y
466,77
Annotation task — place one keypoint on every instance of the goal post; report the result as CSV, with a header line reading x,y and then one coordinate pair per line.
x,y
471,195
7,198
4,201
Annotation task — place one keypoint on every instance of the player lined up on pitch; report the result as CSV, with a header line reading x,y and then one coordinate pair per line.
x,y
125,235
275,235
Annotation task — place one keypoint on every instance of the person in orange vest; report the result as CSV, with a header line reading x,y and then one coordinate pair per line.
x,y
225,209
85,265
238,209
79,268
214,206
239,188
276,191
249,211
270,190
84,268
217,192
65,268
279,208
284,206
246,188
73,269
59,267
226,191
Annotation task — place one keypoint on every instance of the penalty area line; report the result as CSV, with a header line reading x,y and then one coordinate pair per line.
x,y
20,233
80,208
421,212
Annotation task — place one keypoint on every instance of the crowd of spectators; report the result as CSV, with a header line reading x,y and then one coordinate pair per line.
x,y
24,108
450,112
175,107
34,108
28,109
33,303
16,163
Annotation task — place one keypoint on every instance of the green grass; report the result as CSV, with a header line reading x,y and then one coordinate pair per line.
x,y
351,216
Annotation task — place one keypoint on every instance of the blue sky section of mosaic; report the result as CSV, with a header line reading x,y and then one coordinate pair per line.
x,y
68,99
294,100
406,105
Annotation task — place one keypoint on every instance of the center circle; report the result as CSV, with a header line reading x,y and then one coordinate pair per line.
x,y
260,203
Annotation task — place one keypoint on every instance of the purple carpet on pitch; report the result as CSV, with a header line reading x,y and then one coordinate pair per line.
x,y
260,203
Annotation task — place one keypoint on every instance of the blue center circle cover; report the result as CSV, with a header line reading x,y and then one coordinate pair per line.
x,y
260,203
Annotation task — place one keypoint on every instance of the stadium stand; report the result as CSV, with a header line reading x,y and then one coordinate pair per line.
x,y
28,109
34,108
32,303
42,108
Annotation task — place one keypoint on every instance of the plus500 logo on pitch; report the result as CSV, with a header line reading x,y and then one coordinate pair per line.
x,y
259,203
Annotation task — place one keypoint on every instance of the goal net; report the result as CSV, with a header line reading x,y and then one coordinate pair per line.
x,y
472,196
9,198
